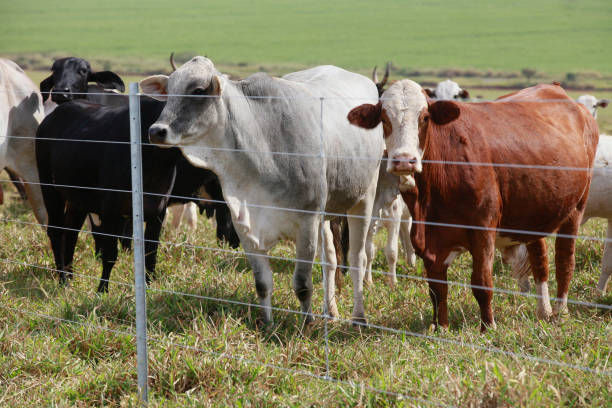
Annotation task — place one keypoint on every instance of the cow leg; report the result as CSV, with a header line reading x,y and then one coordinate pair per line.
x,y
225,228
74,220
305,250
263,281
336,230
606,262
111,226
190,215
404,233
518,258
330,268
27,169
177,215
370,252
438,291
126,243
358,231
151,237
538,258
393,229
565,260
483,253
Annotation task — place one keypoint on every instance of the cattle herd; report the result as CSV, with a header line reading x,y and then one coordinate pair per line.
x,y
313,157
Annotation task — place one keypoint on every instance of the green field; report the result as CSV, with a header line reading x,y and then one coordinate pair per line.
x,y
556,36
194,343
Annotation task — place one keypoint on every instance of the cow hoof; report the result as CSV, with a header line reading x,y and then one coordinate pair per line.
x,y
333,311
359,321
544,313
392,282
436,328
524,285
264,325
484,327
559,311
412,260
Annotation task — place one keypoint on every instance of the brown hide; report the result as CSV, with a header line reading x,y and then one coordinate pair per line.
x,y
522,133
518,129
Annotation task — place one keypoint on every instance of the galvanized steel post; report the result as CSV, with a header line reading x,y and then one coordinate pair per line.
x,y
139,267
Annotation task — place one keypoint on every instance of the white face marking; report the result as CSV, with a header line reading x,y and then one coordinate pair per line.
x,y
448,90
402,104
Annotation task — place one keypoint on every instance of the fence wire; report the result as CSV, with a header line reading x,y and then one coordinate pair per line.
x,y
323,262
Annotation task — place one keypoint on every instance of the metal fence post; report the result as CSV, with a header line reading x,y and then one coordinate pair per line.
x,y
139,267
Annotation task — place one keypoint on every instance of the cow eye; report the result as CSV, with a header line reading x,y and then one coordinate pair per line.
x,y
199,91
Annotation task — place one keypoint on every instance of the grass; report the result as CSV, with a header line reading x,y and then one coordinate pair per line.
x,y
196,344
556,36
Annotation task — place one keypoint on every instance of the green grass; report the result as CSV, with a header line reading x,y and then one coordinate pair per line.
x,y
556,36
49,363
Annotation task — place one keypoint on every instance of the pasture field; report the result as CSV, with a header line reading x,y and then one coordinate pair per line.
x,y
204,352
556,36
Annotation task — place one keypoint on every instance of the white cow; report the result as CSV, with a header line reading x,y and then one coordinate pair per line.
x,y
391,212
447,90
592,103
21,111
240,130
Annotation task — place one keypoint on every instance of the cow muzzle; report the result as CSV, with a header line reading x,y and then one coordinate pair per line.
x,y
60,95
404,164
158,134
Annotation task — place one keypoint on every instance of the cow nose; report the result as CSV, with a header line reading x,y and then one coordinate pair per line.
x,y
158,133
403,164
61,95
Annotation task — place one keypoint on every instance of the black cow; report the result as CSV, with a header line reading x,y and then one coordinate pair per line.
x,y
190,181
70,80
72,75
100,165
107,165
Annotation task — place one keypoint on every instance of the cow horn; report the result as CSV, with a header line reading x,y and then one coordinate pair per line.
x,y
374,75
172,61
384,80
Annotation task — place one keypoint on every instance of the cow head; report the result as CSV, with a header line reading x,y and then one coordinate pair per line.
x,y
405,113
447,90
193,109
592,103
70,77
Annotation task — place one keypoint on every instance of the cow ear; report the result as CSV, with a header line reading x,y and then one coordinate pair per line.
x,y
603,103
217,89
156,87
366,116
464,94
107,80
45,87
430,92
443,112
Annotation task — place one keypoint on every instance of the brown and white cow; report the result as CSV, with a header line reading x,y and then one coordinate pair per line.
x,y
489,202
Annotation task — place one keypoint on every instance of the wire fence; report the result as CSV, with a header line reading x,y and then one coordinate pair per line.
x,y
137,192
